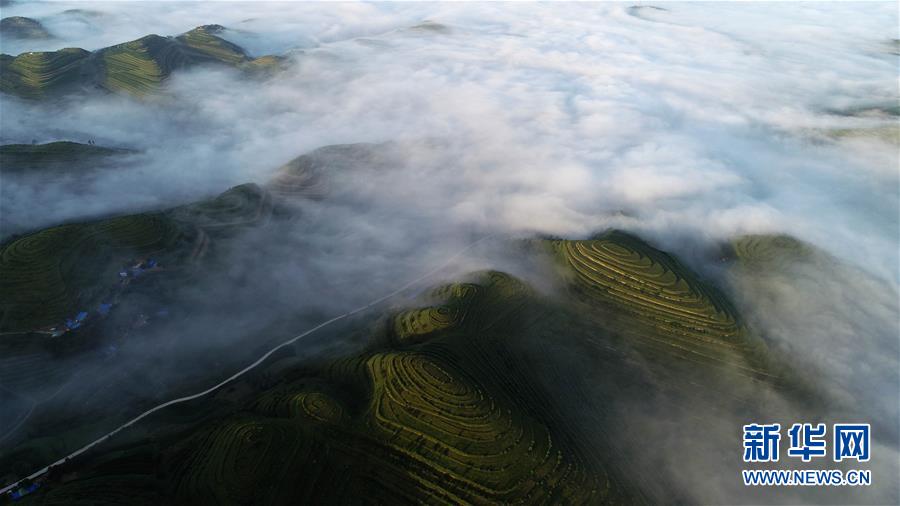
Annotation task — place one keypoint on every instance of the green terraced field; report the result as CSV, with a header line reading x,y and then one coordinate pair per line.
x,y
766,250
38,74
415,323
450,419
300,177
659,302
137,68
51,274
204,41
243,205
444,405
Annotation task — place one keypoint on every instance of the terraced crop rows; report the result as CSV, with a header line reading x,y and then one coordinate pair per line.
x,y
28,371
299,178
245,461
138,67
432,423
35,74
674,308
414,323
243,205
312,405
768,250
50,274
443,419
203,40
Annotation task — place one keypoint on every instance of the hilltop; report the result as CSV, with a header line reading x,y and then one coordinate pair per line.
x,y
57,155
23,28
136,68
456,395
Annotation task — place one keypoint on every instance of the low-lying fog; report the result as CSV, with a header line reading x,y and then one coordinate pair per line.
x,y
688,124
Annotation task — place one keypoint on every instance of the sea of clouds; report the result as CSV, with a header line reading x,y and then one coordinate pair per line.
x,y
688,123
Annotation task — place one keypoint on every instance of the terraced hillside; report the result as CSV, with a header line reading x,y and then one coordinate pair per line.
x,y
318,173
40,74
768,250
56,155
301,177
205,42
655,300
137,68
53,273
243,205
452,418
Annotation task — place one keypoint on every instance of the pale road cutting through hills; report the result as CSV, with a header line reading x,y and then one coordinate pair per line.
x,y
243,371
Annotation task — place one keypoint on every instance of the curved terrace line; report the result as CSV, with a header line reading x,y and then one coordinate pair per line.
x,y
243,371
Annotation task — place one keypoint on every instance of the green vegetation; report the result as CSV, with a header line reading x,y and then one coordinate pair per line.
x,y
136,68
243,205
204,41
652,298
38,74
299,177
764,251
52,274
887,133
893,47
457,298
453,419
62,154
23,28
452,401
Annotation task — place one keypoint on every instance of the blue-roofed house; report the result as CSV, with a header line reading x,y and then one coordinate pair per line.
x,y
22,491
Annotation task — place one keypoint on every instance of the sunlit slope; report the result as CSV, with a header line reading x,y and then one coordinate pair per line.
x,y
38,74
137,68
53,273
452,418
651,297
53,155
448,420
205,43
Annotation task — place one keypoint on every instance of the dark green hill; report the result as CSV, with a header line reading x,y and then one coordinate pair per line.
x,y
51,274
39,74
481,391
453,418
56,155
458,400
23,28
137,68
652,298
